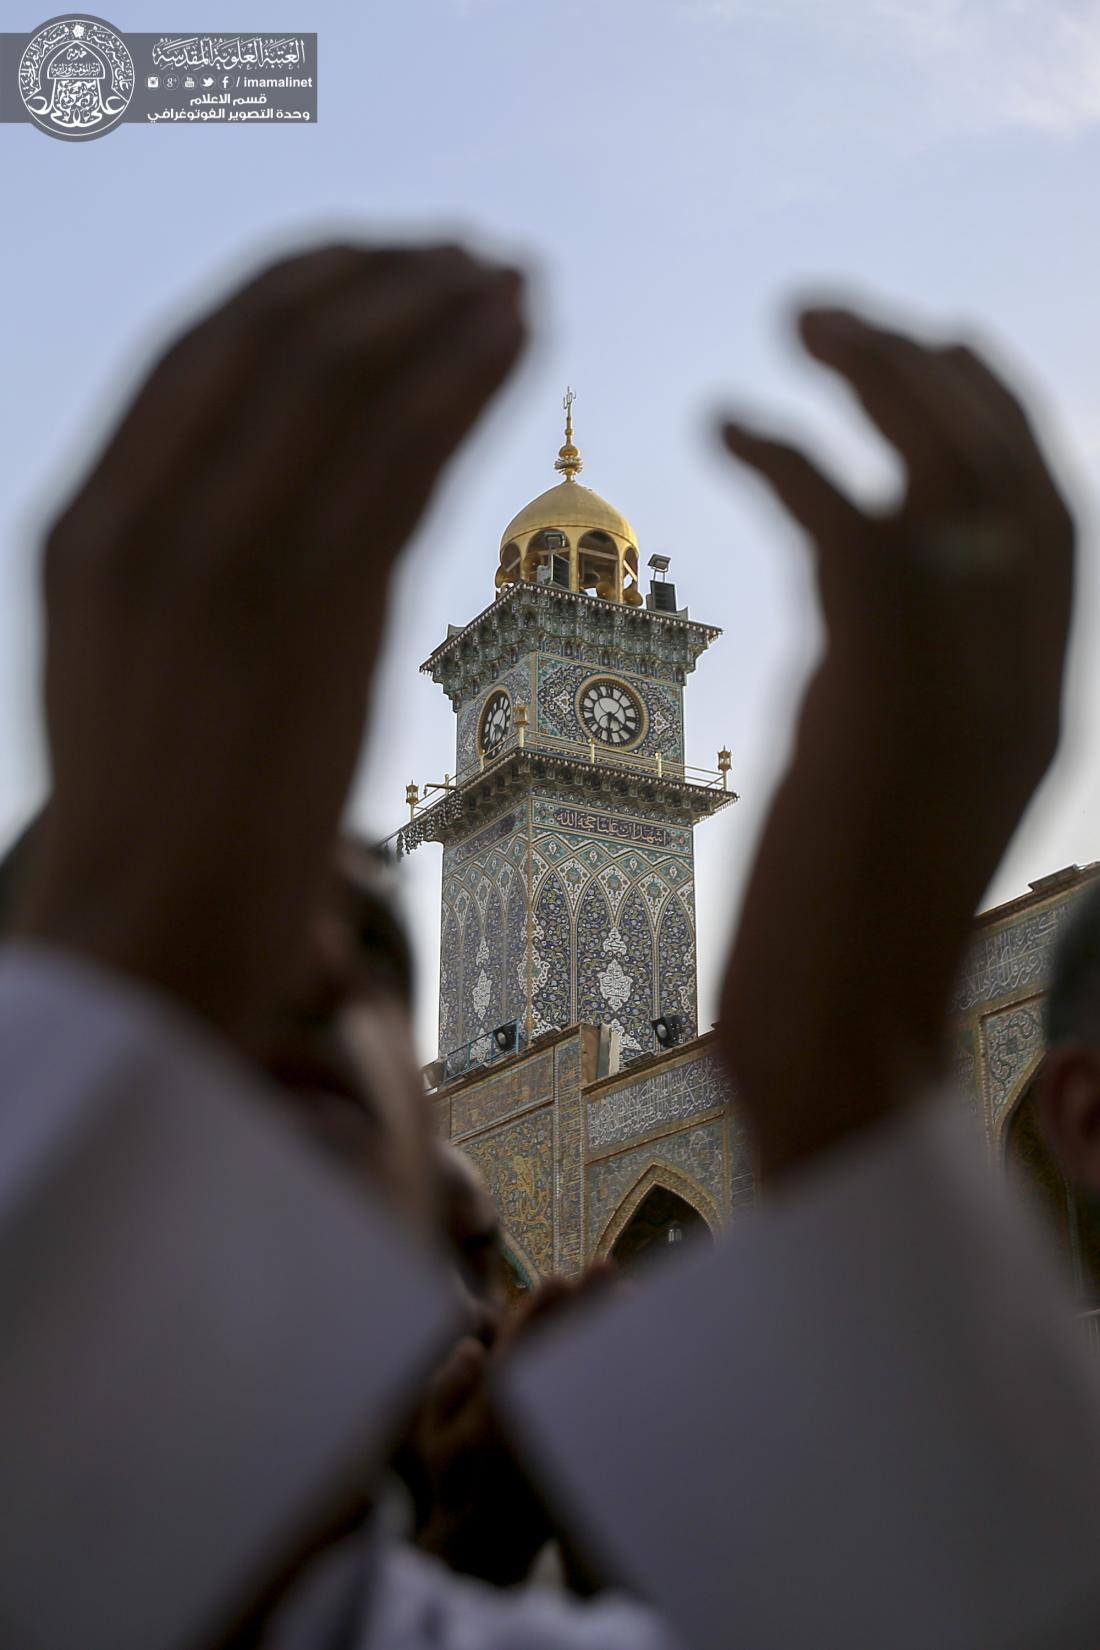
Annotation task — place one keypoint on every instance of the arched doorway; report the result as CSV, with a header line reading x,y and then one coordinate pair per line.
x,y
661,1225
517,1284
1072,1212
518,1271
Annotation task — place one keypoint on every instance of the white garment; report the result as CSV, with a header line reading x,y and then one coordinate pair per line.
x,y
203,1328
379,1593
416,1603
864,1422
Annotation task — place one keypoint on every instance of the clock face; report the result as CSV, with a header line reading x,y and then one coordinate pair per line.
x,y
496,719
610,711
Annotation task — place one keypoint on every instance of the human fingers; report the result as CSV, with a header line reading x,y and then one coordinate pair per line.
x,y
385,467
982,503
456,1381
536,1306
188,393
191,403
953,435
992,397
819,507
336,396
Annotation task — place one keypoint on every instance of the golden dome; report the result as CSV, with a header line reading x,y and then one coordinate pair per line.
x,y
569,507
571,537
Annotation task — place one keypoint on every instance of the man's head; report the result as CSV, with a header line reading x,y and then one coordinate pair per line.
x,y
473,1228
1069,1085
340,1047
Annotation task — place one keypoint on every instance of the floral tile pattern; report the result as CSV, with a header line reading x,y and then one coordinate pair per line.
x,y
517,1160
559,680
483,933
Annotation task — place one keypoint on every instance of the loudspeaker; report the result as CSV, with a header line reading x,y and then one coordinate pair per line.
x,y
667,1029
506,1037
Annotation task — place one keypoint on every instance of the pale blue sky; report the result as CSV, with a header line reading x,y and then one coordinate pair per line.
x,y
675,169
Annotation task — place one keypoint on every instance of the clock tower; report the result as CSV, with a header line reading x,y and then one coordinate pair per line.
x,y
567,833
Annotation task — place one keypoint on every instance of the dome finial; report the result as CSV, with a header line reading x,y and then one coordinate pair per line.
x,y
568,462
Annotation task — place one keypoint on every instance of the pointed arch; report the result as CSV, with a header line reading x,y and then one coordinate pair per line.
x,y
636,929
490,998
604,981
520,1262
676,992
472,939
615,967
1071,1214
552,952
450,982
515,982
663,1175
1000,1125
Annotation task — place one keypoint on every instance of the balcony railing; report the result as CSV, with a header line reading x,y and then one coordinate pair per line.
x,y
597,755
587,753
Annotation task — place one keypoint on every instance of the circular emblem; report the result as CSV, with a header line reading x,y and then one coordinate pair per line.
x,y
76,77
496,720
611,712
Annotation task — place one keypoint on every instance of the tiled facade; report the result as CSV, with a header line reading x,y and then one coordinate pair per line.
x,y
570,1156
522,1124
483,955
572,899
614,921
999,998
569,905
554,915
560,680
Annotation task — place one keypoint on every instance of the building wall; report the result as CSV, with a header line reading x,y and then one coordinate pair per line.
x,y
669,1122
519,684
483,956
999,999
611,938
522,1125
560,679
548,686
614,921
570,1157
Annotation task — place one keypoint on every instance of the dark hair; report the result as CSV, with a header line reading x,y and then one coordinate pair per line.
x,y
1073,996
383,941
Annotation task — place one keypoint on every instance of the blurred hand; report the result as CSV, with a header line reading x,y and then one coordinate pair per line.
x,y
486,1518
923,734
950,613
215,599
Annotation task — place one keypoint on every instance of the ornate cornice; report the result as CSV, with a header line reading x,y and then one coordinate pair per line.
x,y
528,617
519,773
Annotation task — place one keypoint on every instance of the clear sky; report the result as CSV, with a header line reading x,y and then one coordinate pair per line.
x,y
674,170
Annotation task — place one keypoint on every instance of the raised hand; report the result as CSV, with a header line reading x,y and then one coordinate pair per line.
x,y
486,1518
215,598
932,718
